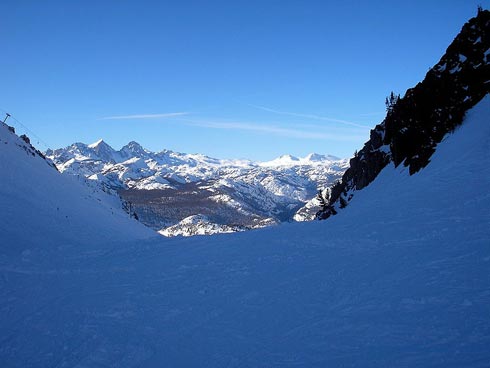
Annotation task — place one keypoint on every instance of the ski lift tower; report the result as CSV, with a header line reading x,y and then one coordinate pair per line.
x,y
7,115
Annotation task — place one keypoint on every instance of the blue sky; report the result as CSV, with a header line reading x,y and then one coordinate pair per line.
x,y
230,79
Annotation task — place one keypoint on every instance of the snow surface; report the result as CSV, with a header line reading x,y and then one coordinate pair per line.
x,y
399,279
41,208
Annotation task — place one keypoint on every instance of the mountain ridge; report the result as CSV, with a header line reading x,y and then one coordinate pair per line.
x,y
135,148
166,187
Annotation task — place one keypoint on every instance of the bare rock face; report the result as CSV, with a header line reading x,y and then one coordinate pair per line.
x,y
417,122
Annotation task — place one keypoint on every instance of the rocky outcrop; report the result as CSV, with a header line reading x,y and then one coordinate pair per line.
x,y
417,122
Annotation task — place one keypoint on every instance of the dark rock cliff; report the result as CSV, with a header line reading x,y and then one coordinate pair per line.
x,y
417,122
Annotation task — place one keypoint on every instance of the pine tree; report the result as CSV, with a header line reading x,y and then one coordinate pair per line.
x,y
324,198
391,101
319,197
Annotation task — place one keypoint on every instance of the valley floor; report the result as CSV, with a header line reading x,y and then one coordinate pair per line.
x,y
358,298
399,279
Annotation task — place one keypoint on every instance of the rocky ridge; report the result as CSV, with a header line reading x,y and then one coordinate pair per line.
x,y
418,121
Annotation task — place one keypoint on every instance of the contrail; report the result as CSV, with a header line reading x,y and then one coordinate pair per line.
x,y
269,129
310,116
144,116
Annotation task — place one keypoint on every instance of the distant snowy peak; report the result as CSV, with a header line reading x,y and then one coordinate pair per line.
x,y
315,157
289,160
97,144
104,151
134,149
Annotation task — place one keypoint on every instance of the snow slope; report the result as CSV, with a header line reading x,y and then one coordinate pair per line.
x,y
396,280
41,207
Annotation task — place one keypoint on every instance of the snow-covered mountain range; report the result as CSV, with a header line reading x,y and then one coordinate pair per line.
x,y
165,188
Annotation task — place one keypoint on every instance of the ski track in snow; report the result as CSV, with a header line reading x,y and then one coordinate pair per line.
x,y
398,279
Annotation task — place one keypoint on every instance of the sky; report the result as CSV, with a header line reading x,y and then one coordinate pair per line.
x,y
248,79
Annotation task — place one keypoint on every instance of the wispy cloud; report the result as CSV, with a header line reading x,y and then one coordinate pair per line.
x,y
307,131
310,116
144,116
274,130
